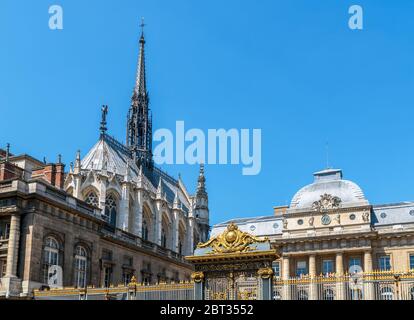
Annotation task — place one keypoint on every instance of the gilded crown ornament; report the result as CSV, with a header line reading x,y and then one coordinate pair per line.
x,y
232,240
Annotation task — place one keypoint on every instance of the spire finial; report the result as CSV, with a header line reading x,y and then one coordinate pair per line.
x,y
201,187
176,204
77,162
159,189
142,25
104,112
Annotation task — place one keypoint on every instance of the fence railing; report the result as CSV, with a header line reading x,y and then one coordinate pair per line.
x,y
381,285
377,285
134,291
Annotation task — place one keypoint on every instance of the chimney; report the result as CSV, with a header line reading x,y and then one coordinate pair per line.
x,y
54,173
60,173
9,171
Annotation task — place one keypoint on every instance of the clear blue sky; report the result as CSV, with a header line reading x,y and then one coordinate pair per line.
x,y
292,68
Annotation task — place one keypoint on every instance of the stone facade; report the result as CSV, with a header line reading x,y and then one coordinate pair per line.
x,y
330,226
34,210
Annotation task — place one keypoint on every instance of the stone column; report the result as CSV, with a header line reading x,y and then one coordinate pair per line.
x,y
176,213
367,261
368,284
123,221
158,221
13,246
138,212
102,192
11,283
313,286
340,285
190,236
286,277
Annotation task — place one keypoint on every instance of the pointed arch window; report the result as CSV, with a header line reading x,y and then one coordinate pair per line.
x,y
111,209
145,231
92,199
163,238
81,267
180,247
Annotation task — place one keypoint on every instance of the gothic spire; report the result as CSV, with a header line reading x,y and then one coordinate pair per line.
x,y
201,187
140,84
139,122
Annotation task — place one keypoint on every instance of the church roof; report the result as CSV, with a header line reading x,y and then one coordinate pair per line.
x,y
329,182
110,155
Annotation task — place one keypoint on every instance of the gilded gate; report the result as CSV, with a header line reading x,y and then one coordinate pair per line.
x,y
234,265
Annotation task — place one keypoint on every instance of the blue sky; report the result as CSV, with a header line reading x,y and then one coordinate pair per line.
x,y
291,68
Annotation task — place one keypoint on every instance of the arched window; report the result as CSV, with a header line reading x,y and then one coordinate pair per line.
x,y
328,294
111,209
50,256
387,293
302,295
92,199
163,238
180,247
81,267
145,231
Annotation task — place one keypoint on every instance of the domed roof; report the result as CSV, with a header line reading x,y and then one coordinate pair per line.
x,y
329,186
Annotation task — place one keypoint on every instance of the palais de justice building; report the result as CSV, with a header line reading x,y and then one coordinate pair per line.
x,y
114,215
330,226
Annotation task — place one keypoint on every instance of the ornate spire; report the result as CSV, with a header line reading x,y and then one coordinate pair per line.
x,y
127,177
159,189
77,162
201,187
176,204
139,121
140,83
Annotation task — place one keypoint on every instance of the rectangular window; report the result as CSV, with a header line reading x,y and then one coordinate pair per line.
x,y
327,267
276,269
4,231
3,266
126,277
384,263
301,268
107,277
354,261
7,231
411,261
